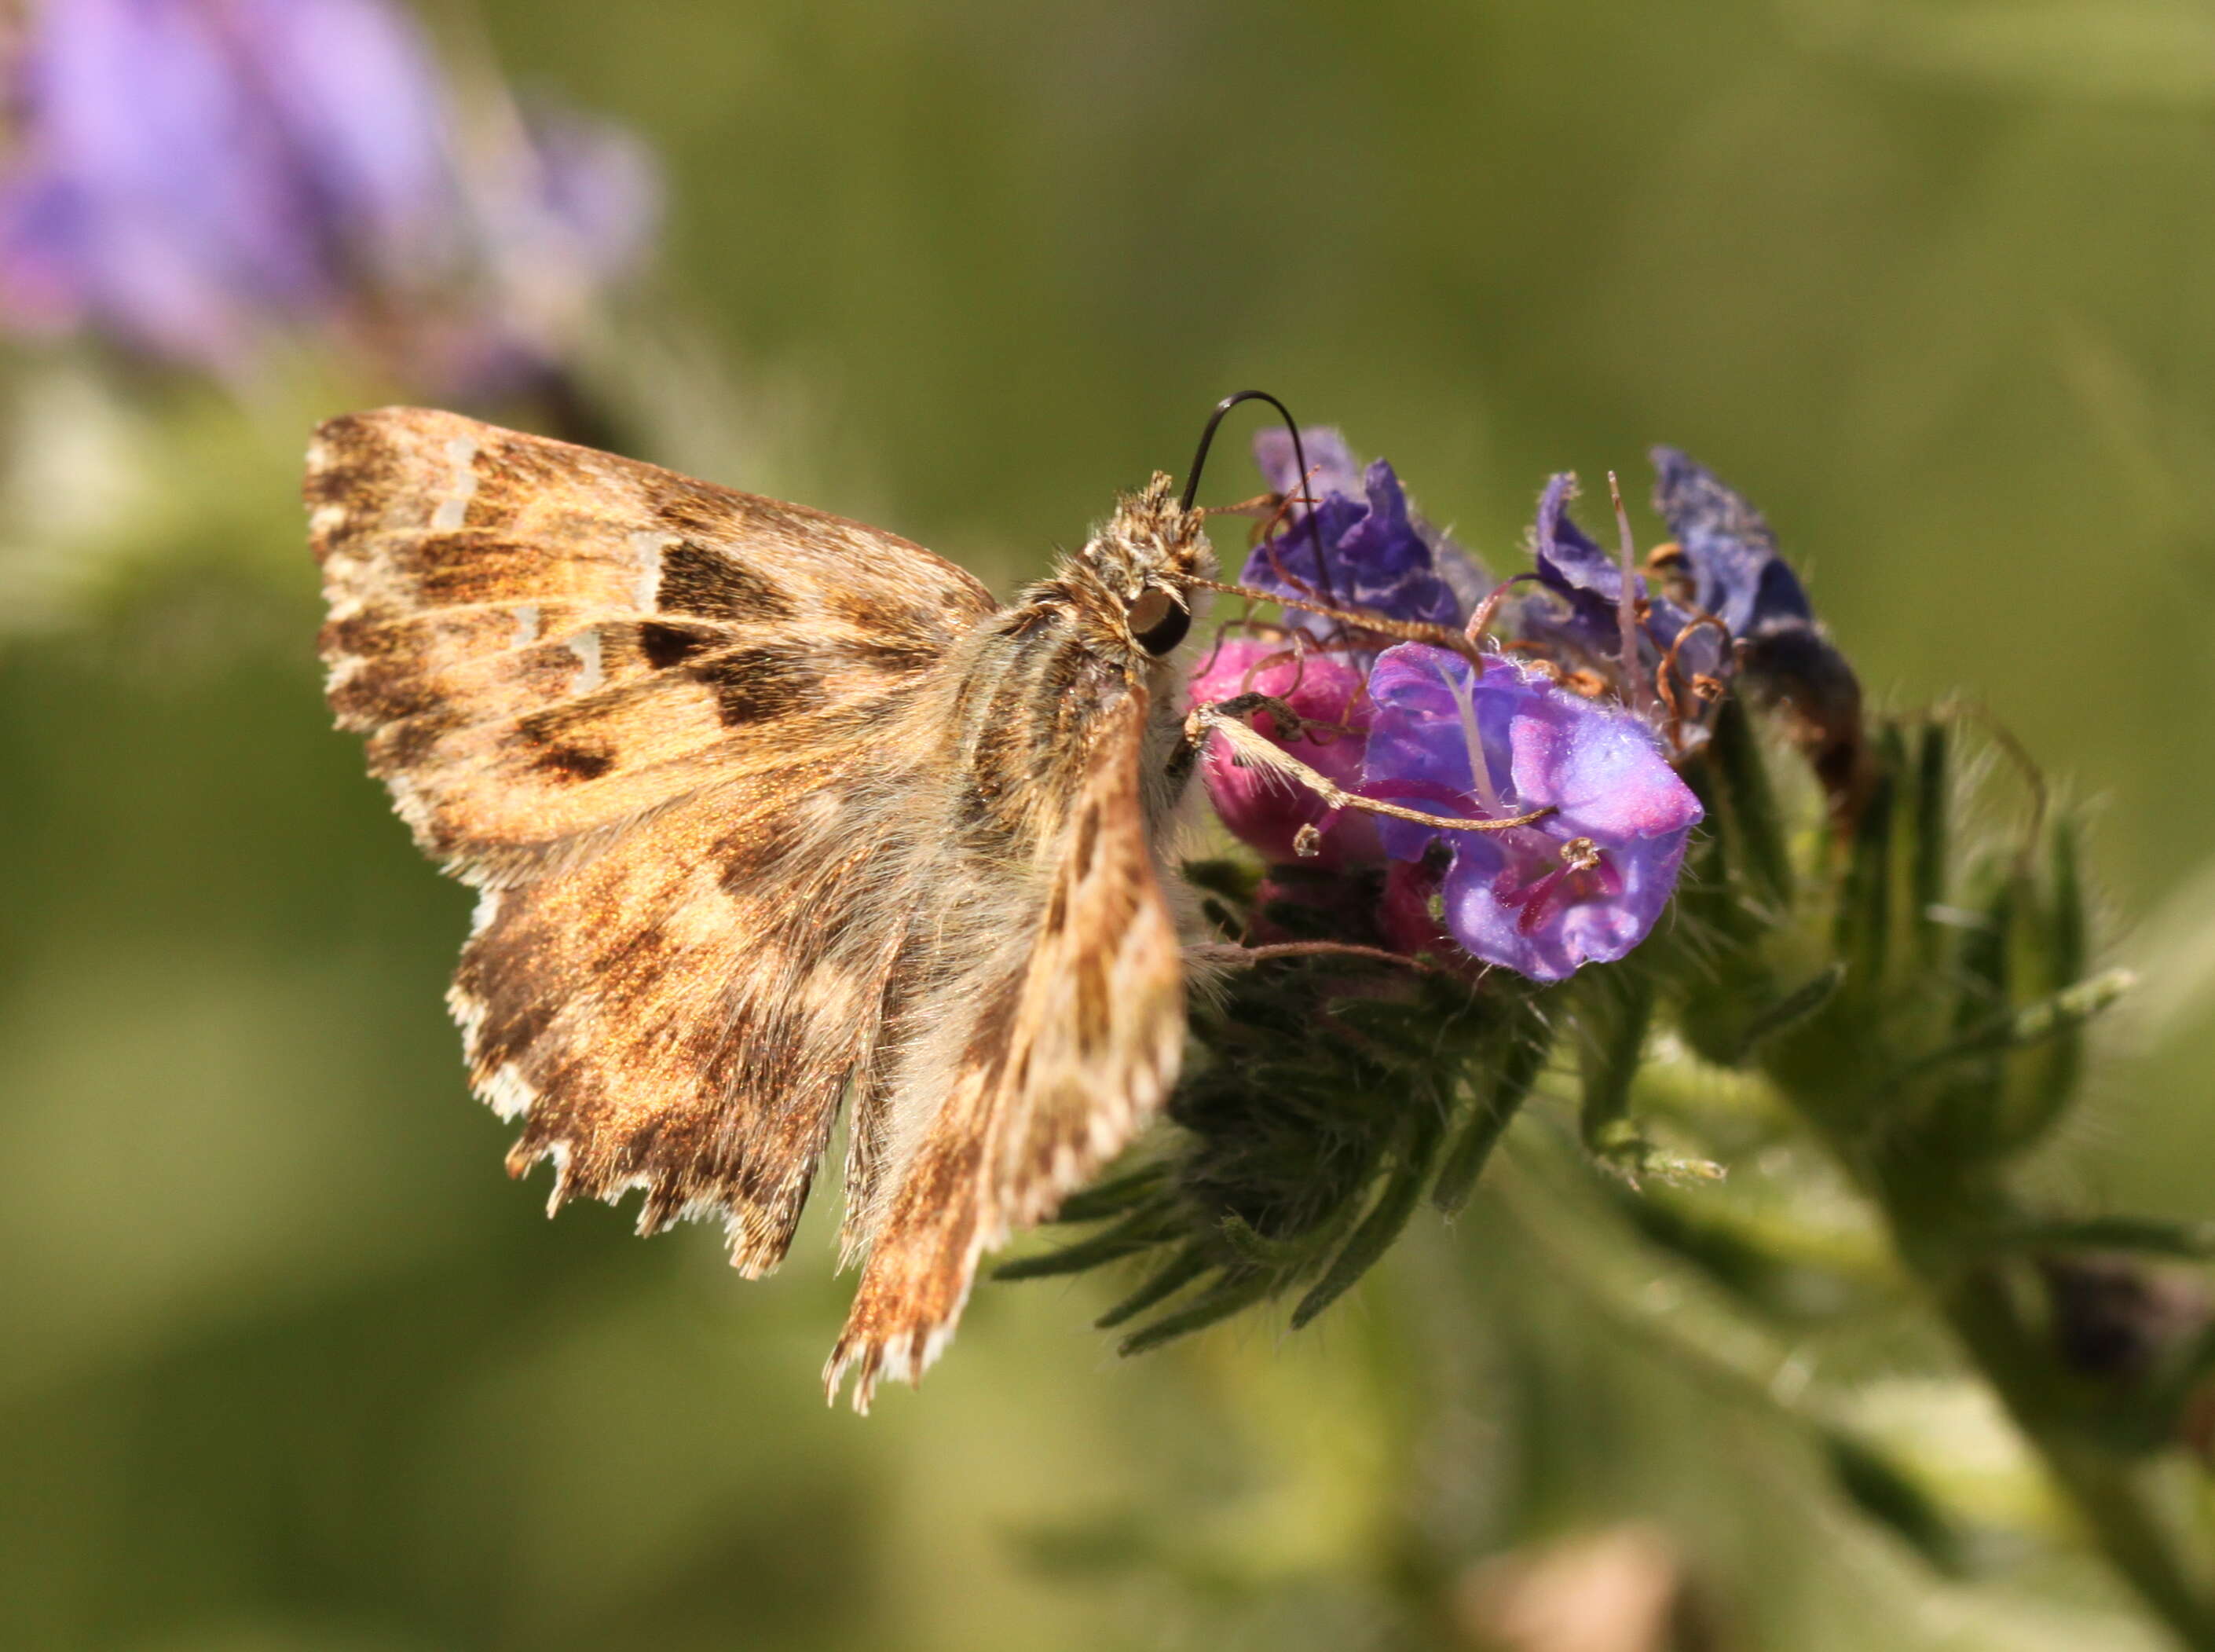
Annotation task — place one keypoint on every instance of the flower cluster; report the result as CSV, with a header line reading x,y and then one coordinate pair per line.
x,y
1604,685
189,177
1506,785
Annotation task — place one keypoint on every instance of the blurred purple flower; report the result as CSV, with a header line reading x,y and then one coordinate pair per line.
x,y
590,187
1331,465
188,175
1584,885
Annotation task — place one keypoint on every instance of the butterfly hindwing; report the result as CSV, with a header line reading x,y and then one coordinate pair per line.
x,y
1071,1046
682,1011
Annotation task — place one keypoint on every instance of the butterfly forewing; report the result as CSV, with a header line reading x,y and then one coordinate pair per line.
x,y
541,640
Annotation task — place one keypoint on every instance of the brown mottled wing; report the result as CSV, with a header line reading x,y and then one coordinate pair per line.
x,y
661,724
1072,1047
541,640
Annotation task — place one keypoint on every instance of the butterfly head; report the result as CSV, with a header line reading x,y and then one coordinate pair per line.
x,y
1135,579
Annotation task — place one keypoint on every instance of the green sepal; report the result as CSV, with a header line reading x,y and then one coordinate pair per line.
x,y
1112,1198
1402,1192
1134,1233
1614,1008
1748,821
1231,1294
1862,930
1801,1002
1180,1270
2186,1241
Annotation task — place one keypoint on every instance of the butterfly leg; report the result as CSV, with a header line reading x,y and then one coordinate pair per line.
x,y
1228,955
1251,748
1202,720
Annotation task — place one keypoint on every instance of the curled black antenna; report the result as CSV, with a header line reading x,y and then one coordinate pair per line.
x,y
1299,458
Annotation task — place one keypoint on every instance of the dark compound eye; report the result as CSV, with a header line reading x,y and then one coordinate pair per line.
x,y
1157,621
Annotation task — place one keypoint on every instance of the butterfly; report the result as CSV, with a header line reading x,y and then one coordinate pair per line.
x,y
773,814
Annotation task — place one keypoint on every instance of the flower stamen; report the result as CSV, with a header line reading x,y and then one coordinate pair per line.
x,y
1581,875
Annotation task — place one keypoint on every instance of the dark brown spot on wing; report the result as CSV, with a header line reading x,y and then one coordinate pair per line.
x,y
399,746
574,761
755,684
563,746
377,692
900,654
697,580
665,643
512,1023
692,508
515,477
755,855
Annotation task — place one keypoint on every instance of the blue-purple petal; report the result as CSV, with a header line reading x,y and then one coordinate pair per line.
x,y
1595,764
1583,584
597,187
1370,553
1519,898
1737,574
353,86
1583,932
1570,562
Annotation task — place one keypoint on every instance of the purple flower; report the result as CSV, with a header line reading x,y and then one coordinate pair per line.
x,y
1427,727
190,175
1376,553
1330,462
586,193
1585,884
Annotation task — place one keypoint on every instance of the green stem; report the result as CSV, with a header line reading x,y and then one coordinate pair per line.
x,y
1936,1222
2115,1502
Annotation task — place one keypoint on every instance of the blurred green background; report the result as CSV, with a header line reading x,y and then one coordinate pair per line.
x,y
288,1362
